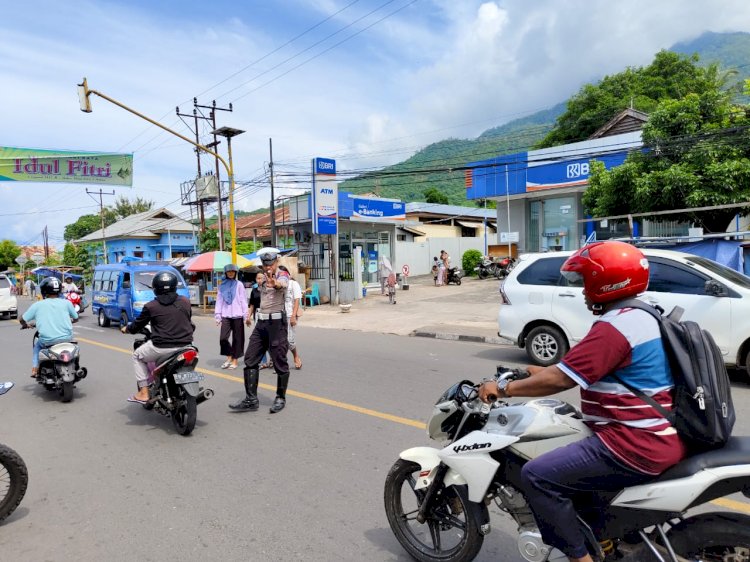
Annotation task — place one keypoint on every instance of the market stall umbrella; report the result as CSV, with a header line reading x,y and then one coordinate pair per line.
x,y
215,261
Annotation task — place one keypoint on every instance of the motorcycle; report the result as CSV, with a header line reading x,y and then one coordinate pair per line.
x,y
436,499
75,300
59,367
454,275
497,268
173,386
14,477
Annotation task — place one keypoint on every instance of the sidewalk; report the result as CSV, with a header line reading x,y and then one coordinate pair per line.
x,y
467,312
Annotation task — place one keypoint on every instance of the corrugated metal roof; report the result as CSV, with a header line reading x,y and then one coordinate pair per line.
x,y
450,210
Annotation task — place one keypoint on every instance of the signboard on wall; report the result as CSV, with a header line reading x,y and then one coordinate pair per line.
x,y
325,196
377,210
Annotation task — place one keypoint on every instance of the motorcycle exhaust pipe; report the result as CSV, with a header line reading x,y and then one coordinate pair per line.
x,y
203,395
82,372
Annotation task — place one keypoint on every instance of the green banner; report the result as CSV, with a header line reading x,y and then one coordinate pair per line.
x,y
30,164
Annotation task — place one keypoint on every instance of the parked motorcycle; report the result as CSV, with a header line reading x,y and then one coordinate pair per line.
x,y
14,477
454,275
59,367
497,268
173,386
436,499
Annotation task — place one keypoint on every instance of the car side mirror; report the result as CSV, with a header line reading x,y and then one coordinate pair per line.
x,y
715,289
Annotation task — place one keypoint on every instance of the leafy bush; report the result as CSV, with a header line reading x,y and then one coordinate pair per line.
x,y
470,260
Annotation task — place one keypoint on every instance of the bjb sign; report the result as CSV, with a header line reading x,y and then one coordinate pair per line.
x,y
577,170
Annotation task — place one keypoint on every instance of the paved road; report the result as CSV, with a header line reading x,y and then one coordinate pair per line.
x,y
110,481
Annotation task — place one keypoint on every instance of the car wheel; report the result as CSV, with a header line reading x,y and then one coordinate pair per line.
x,y
747,363
103,320
546,345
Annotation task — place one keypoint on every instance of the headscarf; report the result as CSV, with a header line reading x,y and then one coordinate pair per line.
x,y
228,287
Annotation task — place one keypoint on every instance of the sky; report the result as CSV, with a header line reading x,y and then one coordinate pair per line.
x,y
367,82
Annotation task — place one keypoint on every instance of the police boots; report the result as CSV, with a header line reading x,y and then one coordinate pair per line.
x,y
250,402
282,382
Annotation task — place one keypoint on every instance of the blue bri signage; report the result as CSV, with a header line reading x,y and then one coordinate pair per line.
x,y
325,196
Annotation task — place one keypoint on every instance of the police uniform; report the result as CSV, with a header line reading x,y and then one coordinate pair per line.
x,y
269,335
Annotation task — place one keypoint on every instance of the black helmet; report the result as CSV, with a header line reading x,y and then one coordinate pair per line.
x,y
50,286
164,282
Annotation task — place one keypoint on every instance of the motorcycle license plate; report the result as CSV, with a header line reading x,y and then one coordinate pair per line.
x,y
185,377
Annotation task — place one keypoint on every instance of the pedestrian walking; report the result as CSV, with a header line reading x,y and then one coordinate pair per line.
x,y
385,269
292,308
270,334
231,313
30,288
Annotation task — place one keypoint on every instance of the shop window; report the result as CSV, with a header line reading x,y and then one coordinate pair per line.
x,y
468,232
401,237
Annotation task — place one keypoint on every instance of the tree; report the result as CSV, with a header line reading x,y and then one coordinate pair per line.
x,y
78,255
247,246
434,195
9,251
696,154
87,224
124,207
208,240
669,76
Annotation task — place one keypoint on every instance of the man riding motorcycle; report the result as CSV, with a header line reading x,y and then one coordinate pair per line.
x,y
632,442
54,319
69,286
171,326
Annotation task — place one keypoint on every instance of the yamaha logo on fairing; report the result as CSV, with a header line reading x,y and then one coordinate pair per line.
x,y
474,447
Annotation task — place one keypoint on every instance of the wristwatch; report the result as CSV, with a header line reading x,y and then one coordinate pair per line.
x,y
502,388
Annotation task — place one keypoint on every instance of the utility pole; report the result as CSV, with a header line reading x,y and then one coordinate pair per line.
x,y
273,207
45,239
101,193
214,145
201,217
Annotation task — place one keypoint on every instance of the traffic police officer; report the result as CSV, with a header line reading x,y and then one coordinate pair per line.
x,y
269,335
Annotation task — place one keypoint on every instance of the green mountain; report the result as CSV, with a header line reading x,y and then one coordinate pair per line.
x,y
409,179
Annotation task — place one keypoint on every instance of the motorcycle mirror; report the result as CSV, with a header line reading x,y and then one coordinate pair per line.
x,y
5,387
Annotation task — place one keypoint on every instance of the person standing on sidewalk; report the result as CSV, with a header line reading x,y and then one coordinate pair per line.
x,y
30,288
385,270
270,334
291,306
230,313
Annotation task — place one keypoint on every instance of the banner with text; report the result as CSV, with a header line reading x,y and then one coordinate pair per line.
x,y
325,200
377,210
30,164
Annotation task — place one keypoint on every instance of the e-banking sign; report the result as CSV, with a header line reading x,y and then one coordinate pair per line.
x,y
325,196
376,210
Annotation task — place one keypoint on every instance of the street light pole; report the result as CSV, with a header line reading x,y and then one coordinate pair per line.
x,y
83,96
228,133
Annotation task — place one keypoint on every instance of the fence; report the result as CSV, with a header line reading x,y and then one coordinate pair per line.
x,y
418,255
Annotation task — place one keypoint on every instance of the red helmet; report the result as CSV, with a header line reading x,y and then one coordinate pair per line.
x,y
610,271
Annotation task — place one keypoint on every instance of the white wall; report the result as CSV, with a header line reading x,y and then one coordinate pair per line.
x,y
418,255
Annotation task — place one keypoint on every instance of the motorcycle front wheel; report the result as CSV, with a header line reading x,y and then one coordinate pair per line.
x,y
483,273
712,537
449,534
185,414
14,478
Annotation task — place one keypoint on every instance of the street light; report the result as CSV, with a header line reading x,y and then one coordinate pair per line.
x,y
83,97
228,133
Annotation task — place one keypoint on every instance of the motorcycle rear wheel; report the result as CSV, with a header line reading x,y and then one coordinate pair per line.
x,y
449,520
66,391
14,479
483,273
185,415
712,537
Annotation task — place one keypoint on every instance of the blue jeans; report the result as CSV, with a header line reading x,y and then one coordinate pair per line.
x,y
35,353
551,481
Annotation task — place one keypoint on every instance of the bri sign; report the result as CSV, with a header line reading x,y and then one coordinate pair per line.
x,y
28,164
325,196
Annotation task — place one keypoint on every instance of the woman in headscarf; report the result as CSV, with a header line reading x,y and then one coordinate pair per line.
x,y
230,313
385,270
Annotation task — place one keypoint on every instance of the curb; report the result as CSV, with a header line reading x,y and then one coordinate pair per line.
x,y
460,337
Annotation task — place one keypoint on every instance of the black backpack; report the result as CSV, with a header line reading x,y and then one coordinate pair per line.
x,y
702,410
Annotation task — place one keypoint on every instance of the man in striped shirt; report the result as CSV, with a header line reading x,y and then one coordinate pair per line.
x,y
632,442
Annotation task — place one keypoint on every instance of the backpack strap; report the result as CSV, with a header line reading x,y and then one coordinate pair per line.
x,y
656,312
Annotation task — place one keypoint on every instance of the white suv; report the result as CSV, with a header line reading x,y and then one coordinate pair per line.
x,y
544,313
8,300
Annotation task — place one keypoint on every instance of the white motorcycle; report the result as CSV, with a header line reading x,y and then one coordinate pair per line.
x,y
436,499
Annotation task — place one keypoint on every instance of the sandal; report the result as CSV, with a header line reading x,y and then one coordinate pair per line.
x,y
225,364
265,365
232,366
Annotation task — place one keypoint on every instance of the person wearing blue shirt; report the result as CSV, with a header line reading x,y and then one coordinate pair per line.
x,y
54,319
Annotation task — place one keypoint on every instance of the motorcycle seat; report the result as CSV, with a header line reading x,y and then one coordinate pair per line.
x,y
172,357
735,452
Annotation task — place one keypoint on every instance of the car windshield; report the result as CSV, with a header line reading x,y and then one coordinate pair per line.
x,y
143,279
723,271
